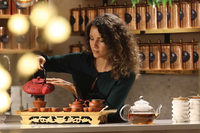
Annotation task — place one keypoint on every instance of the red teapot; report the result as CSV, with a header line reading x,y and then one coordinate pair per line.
x,y
38,86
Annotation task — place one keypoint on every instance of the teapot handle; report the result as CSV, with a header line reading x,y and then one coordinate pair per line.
x,y
86,102
120,113
45,75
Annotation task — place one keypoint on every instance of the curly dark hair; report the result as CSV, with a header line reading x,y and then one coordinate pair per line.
x,y
121,43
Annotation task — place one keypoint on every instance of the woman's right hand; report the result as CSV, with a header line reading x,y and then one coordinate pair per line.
x,y
41,61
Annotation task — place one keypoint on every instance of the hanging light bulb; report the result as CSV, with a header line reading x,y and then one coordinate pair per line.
x,y
24,3
57,30
4,102
5,79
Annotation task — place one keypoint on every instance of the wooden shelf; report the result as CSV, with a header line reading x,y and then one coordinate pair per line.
x,y
161,31
20,51
8,16
151,71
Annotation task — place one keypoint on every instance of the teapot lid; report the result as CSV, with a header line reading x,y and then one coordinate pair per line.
x,y
38,80
77,102
141,101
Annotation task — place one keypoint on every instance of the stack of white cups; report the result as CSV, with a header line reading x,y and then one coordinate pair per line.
x,y
194,109
180,110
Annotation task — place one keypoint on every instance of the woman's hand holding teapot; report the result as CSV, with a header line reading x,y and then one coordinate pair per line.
x,y
41,61
62,83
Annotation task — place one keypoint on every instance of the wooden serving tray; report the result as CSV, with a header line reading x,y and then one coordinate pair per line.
x,y
62,117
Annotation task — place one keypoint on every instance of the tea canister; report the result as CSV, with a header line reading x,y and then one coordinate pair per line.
x,y
195,13
180,110
154,56
151,17
20,42
175,55
173,15
91,13
165,55
101,10
74,48
196,55
141,16
5,7
119,10
130,17
38,40
75,19
5,38
194,108
83,19
108,9
185,14
19,10
144,55
187,55
162,17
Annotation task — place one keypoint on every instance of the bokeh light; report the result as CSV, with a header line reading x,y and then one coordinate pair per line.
x,y
4,102
18,24
41,13
24,3
5,79
57,30
27,64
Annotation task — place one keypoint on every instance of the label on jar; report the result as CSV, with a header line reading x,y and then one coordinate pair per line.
x,y
86,20
4,38
72,20
163,57
173,57
3,5
181,15
159,16
193,14
185,56
195,57
168,16
148,17
21,39
128,18
142,56
151,57
41,39
138,18
80,20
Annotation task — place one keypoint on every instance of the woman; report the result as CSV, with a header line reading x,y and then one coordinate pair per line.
x,y
106,69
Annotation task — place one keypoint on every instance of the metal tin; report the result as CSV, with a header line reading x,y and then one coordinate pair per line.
x,y
185,14
5,7
162,17
19,10
144,54
195,18
141,16
20,42
83,19
74,19
74,48
38,40
151,17
109,9
130,17
196,55
176,55
120,11
154,56
173,15
91,13
101,10
165,55
5,38
187,56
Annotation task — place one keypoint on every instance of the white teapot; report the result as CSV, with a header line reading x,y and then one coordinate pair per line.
x,y
141,112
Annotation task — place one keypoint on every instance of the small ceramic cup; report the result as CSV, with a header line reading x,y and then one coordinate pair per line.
x,y
76,109
66,109
55,109
44,109
85,109
32,109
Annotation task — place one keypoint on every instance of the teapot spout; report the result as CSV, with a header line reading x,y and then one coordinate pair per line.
x,y
70,104
158,111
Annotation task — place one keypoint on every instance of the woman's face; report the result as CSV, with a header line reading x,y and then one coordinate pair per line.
x,y
97,44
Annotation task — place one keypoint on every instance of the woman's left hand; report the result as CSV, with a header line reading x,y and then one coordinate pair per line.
x,y
62,83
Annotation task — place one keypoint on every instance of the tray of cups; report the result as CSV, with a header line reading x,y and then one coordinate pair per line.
x,y
65,115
